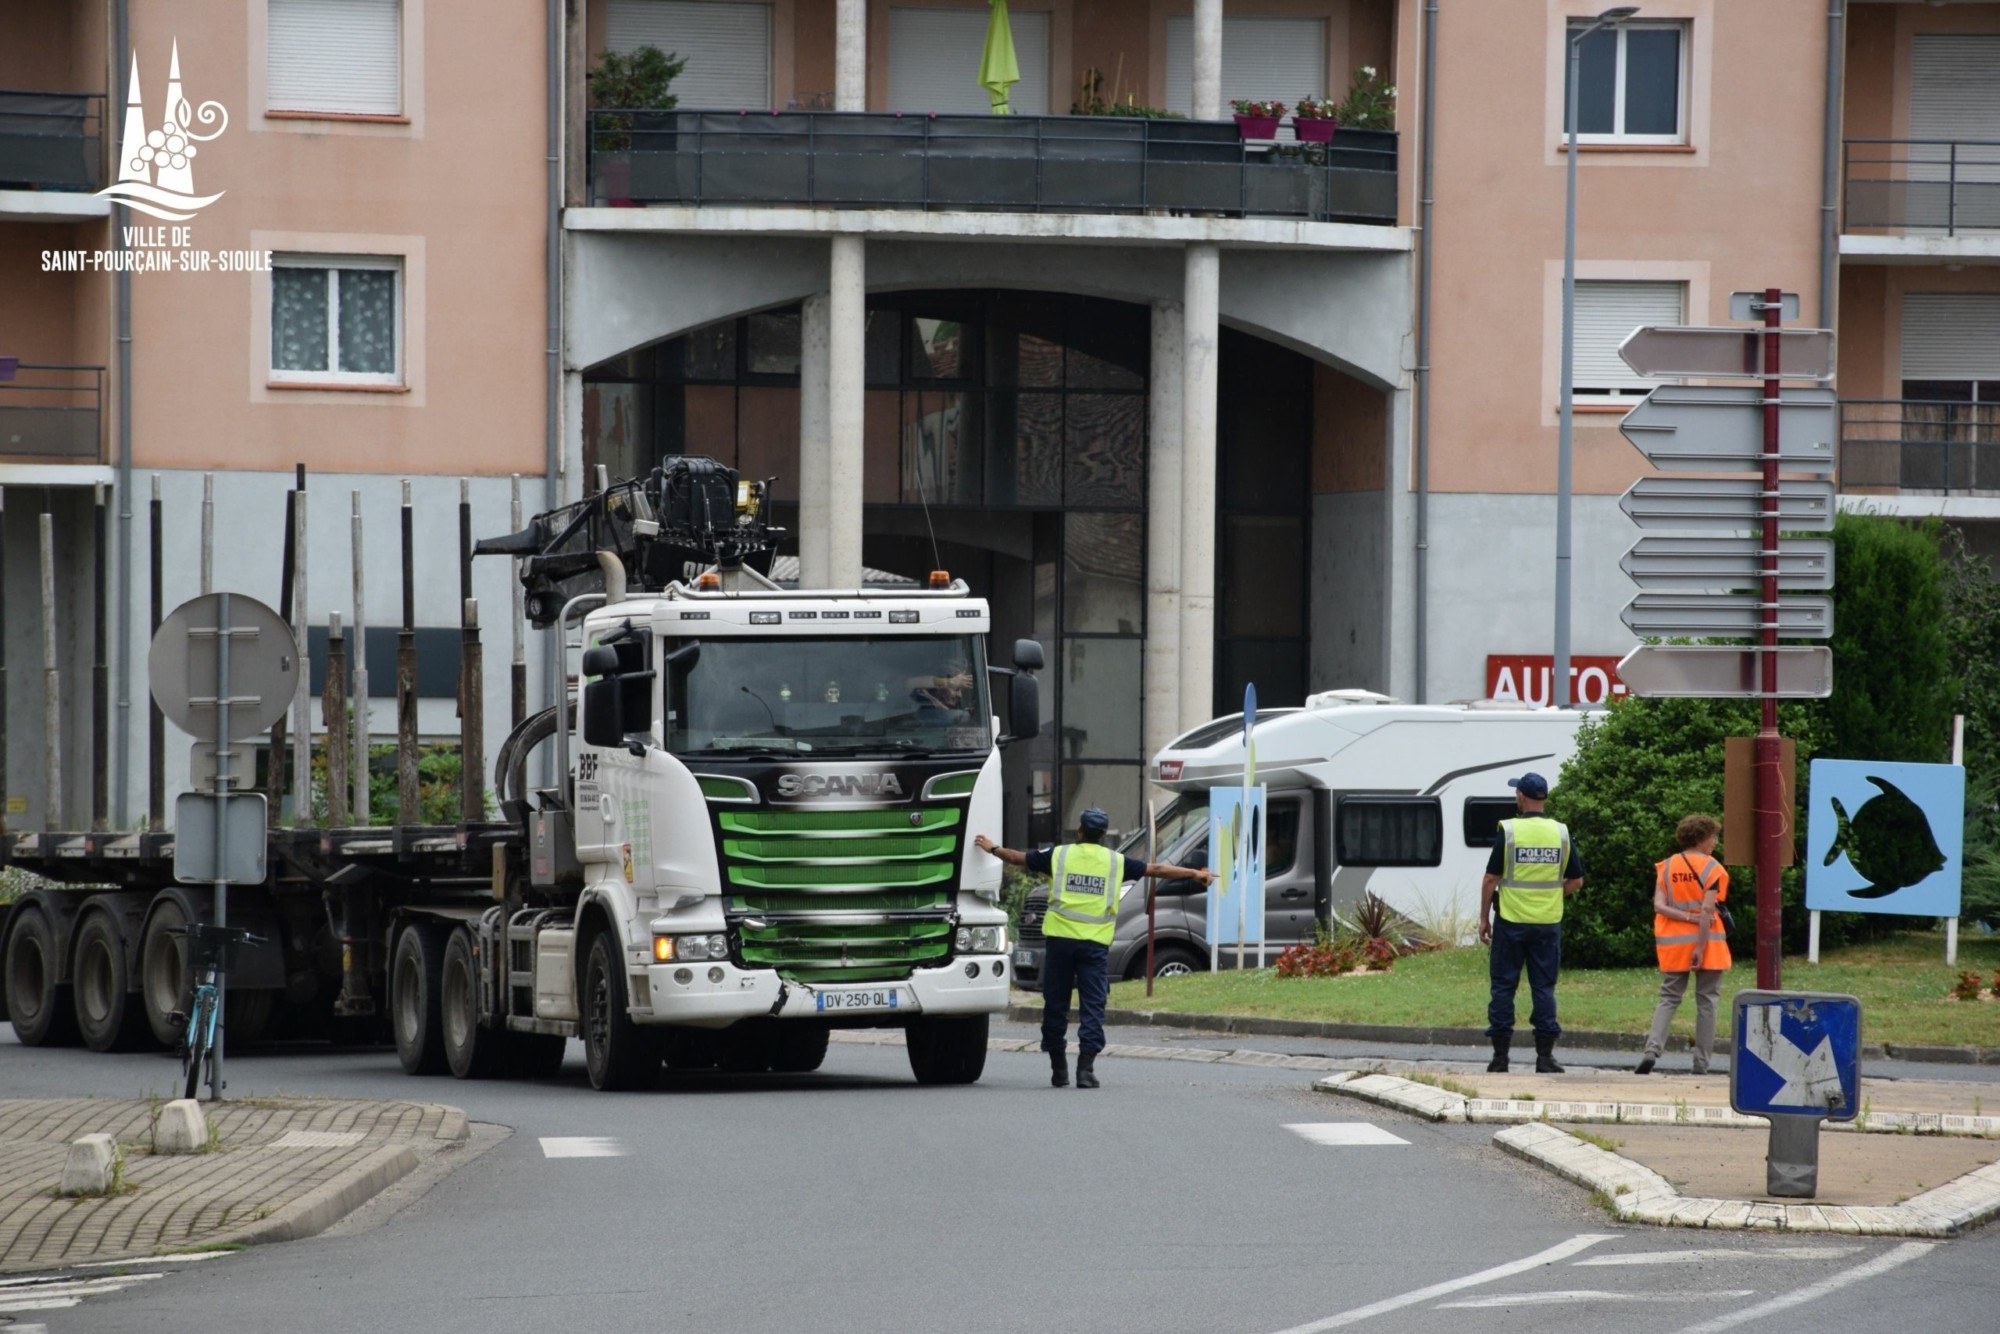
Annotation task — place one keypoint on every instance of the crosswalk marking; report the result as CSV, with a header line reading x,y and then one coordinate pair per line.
x,y
1703,1254
581,1146
1578,1296
1344,1134
1553,1255
1881,1264
57,1293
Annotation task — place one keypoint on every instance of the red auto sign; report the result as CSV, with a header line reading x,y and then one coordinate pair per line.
x,y
1526,677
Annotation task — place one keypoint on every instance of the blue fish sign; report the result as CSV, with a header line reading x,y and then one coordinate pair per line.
x,y
1886,838
1798,1053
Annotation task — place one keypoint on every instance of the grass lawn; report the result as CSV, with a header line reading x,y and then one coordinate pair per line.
x,y
1902,982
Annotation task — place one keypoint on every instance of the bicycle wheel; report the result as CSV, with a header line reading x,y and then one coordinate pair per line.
x,y
196,1052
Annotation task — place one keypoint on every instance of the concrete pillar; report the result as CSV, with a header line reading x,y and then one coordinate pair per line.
x,y
1162,664
850,55
815,460
1208,59
847,333
1200,315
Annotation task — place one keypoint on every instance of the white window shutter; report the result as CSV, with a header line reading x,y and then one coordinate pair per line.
x,y
335,55
1606,315
1951,336
727,46
1270,60
934,61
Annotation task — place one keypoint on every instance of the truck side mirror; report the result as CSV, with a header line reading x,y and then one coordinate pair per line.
x,y
1027,655
600,661
601,723
1024,705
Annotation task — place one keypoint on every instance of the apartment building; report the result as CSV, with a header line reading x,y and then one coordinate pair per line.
x,y
339,263
1193,409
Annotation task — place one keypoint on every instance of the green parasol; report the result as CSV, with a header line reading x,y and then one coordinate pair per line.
x,y
999,71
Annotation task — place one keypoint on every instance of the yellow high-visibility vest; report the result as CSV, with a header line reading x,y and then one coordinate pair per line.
x,y
1083,900
1533,853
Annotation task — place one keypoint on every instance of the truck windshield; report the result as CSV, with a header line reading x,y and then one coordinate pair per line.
x,y
848,695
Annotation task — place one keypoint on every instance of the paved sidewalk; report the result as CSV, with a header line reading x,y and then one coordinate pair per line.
x,y
283,1168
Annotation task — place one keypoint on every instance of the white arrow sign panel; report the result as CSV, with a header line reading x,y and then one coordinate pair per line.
x,y
1680,349
1721,671
1720,428
1805,564
1811,1078
1730,504
1727,614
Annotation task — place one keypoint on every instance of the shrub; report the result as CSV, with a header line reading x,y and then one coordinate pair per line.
x,y
1322,958
1893,679
1370,102
640,80
1967,987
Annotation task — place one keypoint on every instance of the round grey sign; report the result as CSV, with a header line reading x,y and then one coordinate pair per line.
x,y
185,666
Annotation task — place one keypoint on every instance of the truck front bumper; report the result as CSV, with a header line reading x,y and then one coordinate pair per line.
x,y
719,994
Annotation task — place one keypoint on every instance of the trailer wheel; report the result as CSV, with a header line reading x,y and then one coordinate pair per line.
x,y
163,981
472,1052
619,1053
536,1055
40,1010
415,971
800,1048
948,1050
108,1015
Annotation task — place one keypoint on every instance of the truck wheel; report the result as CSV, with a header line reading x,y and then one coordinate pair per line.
x,y
247,1015
690,1048
750,1048
800,1048
536,1055
472,1052
39,1008
108,1015
618,1053
950,1050
414,974
163,980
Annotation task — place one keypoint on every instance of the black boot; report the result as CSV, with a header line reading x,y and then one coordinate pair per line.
x,y
1545,1055
1059,1069
1086,1073
1501,1043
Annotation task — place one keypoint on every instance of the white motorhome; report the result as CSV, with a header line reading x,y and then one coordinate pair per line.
x,y
1366,795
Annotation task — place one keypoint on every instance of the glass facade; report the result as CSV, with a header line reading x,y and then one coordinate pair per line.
x,y
1005,440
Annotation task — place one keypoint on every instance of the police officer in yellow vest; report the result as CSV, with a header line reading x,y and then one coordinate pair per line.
x,y
1086,881
1533,867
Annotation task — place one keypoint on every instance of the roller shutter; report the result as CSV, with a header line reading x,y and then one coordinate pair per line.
x,y
1951,336
343,56
1267,59
1606,314
934,61
727,47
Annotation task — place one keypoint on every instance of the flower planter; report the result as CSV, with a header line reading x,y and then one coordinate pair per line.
x,y
1257,127
1314,130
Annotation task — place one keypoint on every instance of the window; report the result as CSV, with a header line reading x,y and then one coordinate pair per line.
x,y
934,53
727,47
343,57
1262,58
1388,831
1630,84
1281,830
1482,819
1606,314
336,320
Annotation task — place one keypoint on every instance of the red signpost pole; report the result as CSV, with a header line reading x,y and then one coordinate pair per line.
x,y
1773,824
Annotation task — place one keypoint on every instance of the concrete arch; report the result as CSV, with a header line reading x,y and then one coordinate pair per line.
x,y
1350,310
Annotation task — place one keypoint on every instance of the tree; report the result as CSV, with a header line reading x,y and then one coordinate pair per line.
x,y
640,80
1893,681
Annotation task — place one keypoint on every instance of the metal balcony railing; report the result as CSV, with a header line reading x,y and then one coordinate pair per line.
x,y
1912,447
1014,164
1946,186
51,141
51,411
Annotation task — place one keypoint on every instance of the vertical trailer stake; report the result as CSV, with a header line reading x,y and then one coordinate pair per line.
x,y
333,709
100,671
407,803
3,659
274,762
361,721
471,719
156,721
302,785
52,810
519,673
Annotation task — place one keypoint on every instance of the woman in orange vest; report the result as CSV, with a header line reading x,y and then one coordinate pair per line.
x,y
1690,937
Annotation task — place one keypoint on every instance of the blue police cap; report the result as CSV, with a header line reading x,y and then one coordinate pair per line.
x,y
1531,785
1094,819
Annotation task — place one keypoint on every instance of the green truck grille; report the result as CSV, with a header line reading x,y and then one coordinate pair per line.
x,y
845,896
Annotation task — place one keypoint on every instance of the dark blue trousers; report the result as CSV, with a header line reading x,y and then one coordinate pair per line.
x,y
1539,948
1067,962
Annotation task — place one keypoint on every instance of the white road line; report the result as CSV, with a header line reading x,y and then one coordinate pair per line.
x,y
1344,1134
189,1258
1703,1254
58,1296
1561,1251
63,1283
1577,1296
1881,1264
581,1146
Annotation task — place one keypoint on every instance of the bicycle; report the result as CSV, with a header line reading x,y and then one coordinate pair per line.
x,y
210,951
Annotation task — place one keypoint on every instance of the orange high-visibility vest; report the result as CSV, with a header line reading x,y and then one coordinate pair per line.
x,y
1687,876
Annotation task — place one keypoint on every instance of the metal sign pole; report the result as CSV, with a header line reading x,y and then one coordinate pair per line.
x,y
225,755
1772,828
1152,893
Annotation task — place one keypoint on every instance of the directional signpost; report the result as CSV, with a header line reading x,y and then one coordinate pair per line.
x,y
1798,1062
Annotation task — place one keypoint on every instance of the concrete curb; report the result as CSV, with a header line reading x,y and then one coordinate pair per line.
x,y
1637,1194
326,1204
1467,1037
1437,1104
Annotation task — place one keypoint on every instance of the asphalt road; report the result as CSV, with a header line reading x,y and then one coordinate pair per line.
x,y
1175,1198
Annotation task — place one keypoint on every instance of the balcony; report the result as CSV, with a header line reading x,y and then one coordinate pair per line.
x,y
51,411
1908,447
1936,187
1009,164
51,141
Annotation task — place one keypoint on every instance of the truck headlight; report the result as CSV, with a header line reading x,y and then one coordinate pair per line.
x,y
982,940
696,948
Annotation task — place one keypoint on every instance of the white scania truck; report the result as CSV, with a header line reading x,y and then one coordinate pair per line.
x,y
759,830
